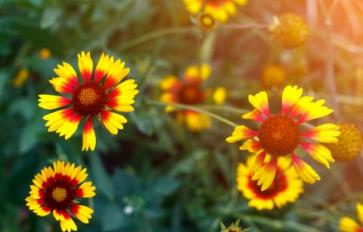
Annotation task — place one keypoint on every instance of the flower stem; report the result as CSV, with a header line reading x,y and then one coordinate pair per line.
x,y
241,26
155,35
196,109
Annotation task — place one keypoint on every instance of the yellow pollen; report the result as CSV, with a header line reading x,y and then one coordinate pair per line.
x,y
206,21
279,135
59,194
87,96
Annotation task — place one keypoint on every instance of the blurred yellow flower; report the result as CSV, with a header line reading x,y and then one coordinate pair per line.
x,y
57,190
281,135
234,227
273,76
219,95
289,30
219,9
97,96
206,22
285,188
349,143
347,224
44,53
189,91
20,78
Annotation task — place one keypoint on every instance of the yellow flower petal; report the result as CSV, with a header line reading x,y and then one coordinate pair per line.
x,y
113,121
290,96
240,133
51,102
88,136
360,212
199,72
325,133
266,174
85,65
320,153
347,224
168,82
83,213
260,102
196,121
219,95
305,171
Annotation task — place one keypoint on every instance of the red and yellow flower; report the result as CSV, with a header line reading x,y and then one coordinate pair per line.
x,y
347,224
219,9
189,91
57,190
282,135
285,188
100,94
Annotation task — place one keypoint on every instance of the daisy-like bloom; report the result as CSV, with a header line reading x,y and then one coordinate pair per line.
x,y
58,190
189,91
289,30
349,143
234,227
281,135
273,76
347,224
285,188
218,9
97,95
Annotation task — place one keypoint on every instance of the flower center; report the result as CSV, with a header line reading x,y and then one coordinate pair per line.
x,y
87,96
89,99
278,185
190,94
59,194
215,2
279,135
206,21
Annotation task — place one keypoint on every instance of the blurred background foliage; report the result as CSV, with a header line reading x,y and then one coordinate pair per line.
x,y
156,175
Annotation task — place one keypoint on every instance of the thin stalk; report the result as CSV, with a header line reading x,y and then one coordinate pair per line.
x,y
241,26
196,109
155,35
329,67
329,59
230,109
277,224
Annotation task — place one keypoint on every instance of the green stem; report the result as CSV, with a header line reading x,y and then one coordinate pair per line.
x,y
224,108
196,109
241,26
155,35
279,225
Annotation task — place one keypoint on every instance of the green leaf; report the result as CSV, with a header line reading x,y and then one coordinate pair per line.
x,y
188,164
113,218
102,179
50,17
165,186
3,79
30,135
